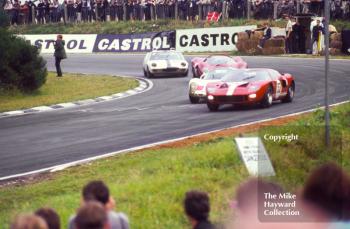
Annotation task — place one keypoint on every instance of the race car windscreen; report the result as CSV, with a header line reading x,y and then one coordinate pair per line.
x,y
165,56
247,76
216,60
217,74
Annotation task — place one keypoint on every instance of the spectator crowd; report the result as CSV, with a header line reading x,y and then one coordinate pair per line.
x,y
53,11
325,197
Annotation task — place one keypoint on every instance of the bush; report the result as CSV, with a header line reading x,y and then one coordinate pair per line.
x,y
21,67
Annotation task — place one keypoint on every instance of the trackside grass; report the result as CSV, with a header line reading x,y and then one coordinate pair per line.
x,y
69,88
149,185
144,26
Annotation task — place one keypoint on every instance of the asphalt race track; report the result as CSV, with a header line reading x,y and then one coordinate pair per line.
x,y
34,141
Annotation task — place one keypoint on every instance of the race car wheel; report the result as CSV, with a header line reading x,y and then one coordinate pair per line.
x,y
290,94
144,73
194,99
213,107
193,72
149,75
185,74
267,100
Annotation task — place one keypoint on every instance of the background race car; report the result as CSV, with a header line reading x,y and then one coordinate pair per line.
x,y
200,65
197,86
251,86
165,63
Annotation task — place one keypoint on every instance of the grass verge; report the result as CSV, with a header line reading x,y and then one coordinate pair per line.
x,y
144,26
149,185
69,88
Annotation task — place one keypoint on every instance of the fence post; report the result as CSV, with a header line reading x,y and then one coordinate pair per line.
x,y
155,11
224,10
248,9
298,6
108,13
152,12
33,15
275,6
200,11
96,12
176,10
65,13
124,11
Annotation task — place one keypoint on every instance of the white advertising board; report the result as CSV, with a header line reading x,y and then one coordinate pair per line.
x,y
209,39
74,43
254,156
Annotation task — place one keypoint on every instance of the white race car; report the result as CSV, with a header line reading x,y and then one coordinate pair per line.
x,y
197,86
165,63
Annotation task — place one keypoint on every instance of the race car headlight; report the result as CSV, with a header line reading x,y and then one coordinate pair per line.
x,y
211,90
253,88
193,86
210,97
154,65
252,96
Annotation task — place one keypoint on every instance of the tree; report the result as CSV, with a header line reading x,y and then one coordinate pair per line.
x,y
21,66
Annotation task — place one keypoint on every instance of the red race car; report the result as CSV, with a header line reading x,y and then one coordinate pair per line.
x,y
251,86
200,65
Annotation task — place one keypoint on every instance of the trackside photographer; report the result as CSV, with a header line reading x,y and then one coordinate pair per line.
x,y
60,54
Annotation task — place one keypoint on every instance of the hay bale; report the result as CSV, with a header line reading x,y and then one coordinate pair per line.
x,y
247,46
332,29
275,42
335,52
243,36
240,46
336,37
257,35
273,51
336,44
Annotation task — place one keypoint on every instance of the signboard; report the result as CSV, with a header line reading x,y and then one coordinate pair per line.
x,y
209,39
74,43
254,156
89,43
142,42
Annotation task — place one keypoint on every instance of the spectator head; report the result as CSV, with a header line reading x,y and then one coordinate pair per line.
x,y
91,215
197,205
328,190
50,216
28,221
250,194
97,191
59,37
318,22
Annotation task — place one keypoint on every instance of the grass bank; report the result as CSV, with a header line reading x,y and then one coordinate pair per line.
x,y
69,88
149,185
142,26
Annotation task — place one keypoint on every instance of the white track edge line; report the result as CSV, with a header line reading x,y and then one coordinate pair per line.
x,y
86,160
85,102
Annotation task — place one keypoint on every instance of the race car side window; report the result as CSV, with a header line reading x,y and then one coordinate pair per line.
x,y
274,74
